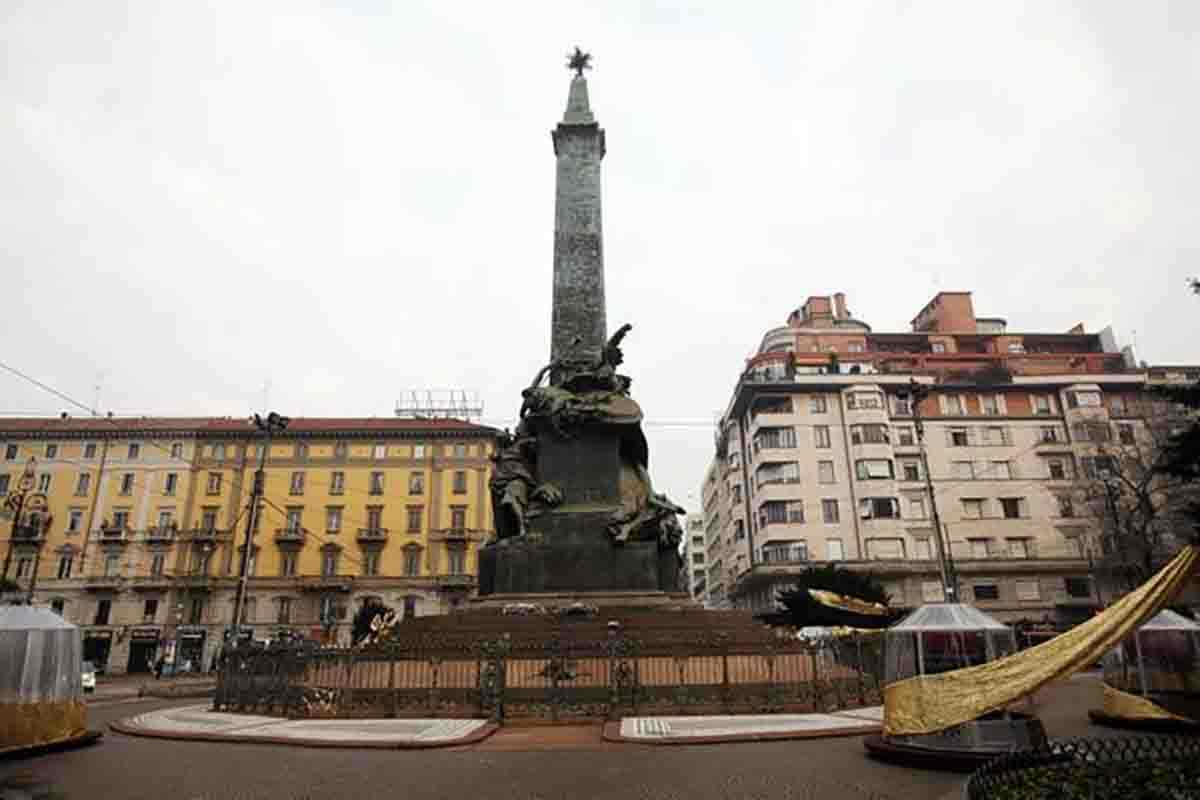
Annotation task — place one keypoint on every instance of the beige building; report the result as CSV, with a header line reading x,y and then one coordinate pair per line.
x,y
817,458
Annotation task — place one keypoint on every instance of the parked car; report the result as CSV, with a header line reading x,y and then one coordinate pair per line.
x,y
89,676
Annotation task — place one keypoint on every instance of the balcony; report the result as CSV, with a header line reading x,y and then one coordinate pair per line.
x,y
161,534
785,555
289,536
325,583
102,582
29,535
115,535
372,535
206,534
196,582
455,581
150,583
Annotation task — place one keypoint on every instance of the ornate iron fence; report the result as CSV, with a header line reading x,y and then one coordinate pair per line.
x,y
555,677
1159,767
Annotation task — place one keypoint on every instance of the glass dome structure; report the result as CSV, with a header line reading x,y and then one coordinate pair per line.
x,y
41,692
940,637
1160,661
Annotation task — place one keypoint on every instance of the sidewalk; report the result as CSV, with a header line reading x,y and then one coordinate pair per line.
x,y
200,723
119,687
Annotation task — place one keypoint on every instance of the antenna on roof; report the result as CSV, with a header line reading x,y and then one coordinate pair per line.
x,y
461,404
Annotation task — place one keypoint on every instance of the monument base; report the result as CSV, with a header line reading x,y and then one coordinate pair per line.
x,y
566,602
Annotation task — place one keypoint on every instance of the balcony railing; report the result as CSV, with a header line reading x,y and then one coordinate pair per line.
x,y
289,535
462,581
785,555
341,583
102,581
161,533
205,534
114,535
372,534
28,534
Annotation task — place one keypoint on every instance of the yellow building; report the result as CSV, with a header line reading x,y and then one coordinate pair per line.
x,y
148,521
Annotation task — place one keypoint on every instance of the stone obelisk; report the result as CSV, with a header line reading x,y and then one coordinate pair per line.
x,y
577,324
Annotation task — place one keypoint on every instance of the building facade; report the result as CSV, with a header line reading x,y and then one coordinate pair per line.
x,y
139,526
818,459
694,548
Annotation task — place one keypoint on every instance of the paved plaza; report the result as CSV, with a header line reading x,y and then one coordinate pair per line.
x,y
519,762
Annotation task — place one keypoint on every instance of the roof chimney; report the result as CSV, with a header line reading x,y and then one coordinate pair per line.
x,y
839,306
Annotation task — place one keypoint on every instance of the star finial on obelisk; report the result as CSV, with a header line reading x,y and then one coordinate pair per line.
x,y
579,61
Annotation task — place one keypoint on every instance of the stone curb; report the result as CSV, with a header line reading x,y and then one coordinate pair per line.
x,y
132,729
28,751
612,733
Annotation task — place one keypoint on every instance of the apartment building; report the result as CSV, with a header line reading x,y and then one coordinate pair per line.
x,y
694,546
138,525
817,458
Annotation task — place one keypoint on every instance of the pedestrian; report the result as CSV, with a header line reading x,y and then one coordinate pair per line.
x,y
158,668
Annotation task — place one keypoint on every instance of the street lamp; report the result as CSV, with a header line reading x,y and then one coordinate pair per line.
x,y
915,394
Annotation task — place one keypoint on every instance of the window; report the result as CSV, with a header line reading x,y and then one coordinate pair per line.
x,y
333,519
5,480
774,438
460,451
301,451
157,562
1049,434
1116,405
990,403
410,607
779,472
1057,469
958,437
416,483
370,562
954,405
1018,548
736,492
1043,404
1001,470
1012,507
698,559
923,550
937,347
418,451
208,520
103,609
962,470
911,470
126,484
200,562
74,520
1091,432
329,563
414,518
1099,466
821,436
1016,347
834,551
44,482
297,484
1066,507
214,483
166,517
1078,587
785,553
112,566
135,451
460,482
916,508
375,518
901,406
867,469
339,450
931,592
287,565
283,615
974,508
379,451
1084,399
120,520
993,435
176,450
376,483
57,605
698,541
1125,433
979,548
825,472
780,511
879,508
51,451
171,483
150,609
337,482
817,404
294,519
829,511
889,549
857,400
10,452
458,518
739,530
217,451
457,560
869,434
855,347
412,562
89,450
64,566
772,405
905,436
986,591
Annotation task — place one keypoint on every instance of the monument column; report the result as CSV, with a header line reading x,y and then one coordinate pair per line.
x,y
577,324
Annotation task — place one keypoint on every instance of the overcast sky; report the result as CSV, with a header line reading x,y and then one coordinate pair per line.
x,y
352,200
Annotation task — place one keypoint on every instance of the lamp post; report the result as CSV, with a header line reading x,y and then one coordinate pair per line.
x,y
272,424
15,503
915,394
44,524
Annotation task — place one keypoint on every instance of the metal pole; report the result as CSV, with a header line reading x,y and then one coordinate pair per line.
x,y
267,426
945,557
